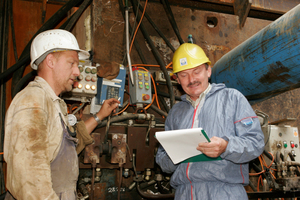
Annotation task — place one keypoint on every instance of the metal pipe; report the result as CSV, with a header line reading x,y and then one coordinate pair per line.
x,y
267,63
136,44
126,117
127,46
157,57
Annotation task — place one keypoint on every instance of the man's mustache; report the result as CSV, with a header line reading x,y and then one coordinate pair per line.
x,y
193,83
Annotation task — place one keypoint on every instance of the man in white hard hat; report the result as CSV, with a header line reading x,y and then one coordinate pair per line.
x,y
39,151
228,120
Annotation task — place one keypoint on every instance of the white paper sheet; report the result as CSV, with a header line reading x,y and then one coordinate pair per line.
x,y
181,144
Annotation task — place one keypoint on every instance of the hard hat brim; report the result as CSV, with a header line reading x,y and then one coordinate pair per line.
x,y
82,55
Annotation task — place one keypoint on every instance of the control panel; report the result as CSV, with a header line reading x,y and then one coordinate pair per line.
x,y
86,84
140,92
111,88
283,139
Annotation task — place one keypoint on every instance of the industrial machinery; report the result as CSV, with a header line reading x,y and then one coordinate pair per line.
x,y
277,168
115,165
120,164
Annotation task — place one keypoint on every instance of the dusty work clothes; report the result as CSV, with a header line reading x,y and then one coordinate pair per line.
x,y
65,165
224,113
33,138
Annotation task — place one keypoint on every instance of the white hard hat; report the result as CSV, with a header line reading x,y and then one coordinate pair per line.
x,y
51,41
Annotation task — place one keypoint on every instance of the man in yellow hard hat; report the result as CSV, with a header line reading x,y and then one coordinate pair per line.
x,y
228,120
39,148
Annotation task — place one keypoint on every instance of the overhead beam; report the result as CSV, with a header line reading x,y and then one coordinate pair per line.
x,y
58,2
269,9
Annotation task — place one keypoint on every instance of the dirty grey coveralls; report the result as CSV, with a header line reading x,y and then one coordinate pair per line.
x,y
64,169
32,145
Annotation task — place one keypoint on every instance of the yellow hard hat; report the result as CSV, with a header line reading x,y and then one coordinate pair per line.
x,y
188,56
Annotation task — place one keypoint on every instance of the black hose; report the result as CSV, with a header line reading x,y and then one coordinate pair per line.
x,y
161,189
159,111
66,26
172,19
161,99
252,186
13,30
291,156
163,102
157,29
258,169
2,196
168,96
121,118
136,44
3,57
157,56
20,63
77,14
268,155
24,81
154,196
25,56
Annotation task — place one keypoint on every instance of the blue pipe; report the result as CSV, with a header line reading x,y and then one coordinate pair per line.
x,y
266,64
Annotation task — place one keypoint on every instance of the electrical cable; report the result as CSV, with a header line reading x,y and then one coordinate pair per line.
x,y
25,57
172,19
157,29
136,44
137,28
158,59
154,90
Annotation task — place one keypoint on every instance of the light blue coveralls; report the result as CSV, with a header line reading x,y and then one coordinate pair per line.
x,y
223,113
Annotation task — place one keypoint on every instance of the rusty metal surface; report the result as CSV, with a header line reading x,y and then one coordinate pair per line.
x,y
98,136
137,144
144,151
118,145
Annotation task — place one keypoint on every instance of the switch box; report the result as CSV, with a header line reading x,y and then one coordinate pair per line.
x,y
111,88
283,139
86,86
140,92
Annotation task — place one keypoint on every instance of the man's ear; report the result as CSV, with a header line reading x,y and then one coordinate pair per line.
x,y
209,71
50,60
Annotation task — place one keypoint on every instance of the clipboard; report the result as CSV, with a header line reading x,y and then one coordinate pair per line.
x,y
181,144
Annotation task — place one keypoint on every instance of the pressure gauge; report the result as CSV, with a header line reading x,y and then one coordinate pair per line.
x,y
72,119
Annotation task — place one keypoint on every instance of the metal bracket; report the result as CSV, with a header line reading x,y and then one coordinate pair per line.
x,y
241,9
